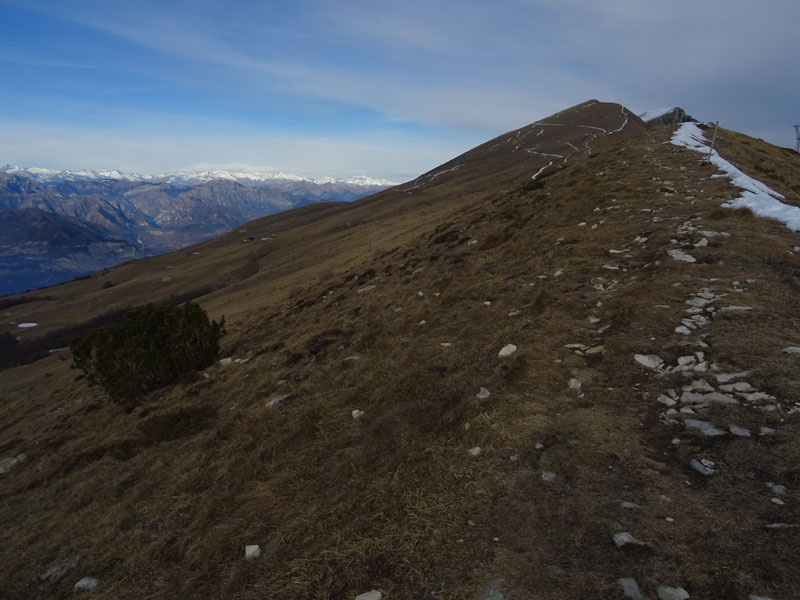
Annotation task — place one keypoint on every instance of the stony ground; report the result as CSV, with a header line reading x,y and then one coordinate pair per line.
x,y
582,389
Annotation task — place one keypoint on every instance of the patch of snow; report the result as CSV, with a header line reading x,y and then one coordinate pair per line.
x,y
649,115
27,325
758,197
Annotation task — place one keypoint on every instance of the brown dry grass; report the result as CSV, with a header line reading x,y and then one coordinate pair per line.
x,y
164,499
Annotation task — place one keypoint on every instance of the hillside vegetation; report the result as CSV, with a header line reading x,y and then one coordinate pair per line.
x,y
461,473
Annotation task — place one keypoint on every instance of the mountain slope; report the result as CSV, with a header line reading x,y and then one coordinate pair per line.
x,y
397,305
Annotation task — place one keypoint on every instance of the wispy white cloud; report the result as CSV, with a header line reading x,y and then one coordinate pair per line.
x,y
379,153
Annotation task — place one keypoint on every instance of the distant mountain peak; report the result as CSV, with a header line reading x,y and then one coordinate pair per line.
x,y
248,177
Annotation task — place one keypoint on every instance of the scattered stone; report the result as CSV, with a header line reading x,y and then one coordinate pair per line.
x,y
778,489
58,569
370,595
277,400
252,551
595,350
780,526
86,583
739,431
666,401
706,428
630,505
726,377
672,593
482,394
703,242
630,588
777,501
357,414
446,344
492,592
9,463
683,330
624,538
704,467
352,357
792,350
698,385
767,431
538,446
682,256
226,361
719,398
548,476
651,361
507,350
515,313
575,384
474,452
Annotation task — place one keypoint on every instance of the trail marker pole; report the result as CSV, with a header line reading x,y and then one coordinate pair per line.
x,y
713,139
797,144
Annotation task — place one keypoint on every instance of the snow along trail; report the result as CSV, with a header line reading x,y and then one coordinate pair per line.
x,y
539,172
761,199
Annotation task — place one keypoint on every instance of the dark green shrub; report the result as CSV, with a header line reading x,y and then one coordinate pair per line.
x,y
153,346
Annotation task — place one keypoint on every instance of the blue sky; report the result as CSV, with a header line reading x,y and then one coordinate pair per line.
x,y
387,89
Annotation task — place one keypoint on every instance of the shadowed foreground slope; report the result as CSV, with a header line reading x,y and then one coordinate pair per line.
x,y
398,306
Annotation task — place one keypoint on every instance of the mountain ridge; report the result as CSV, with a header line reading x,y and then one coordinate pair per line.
x,y
488,386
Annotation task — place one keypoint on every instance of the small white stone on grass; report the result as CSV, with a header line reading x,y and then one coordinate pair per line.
x,y
683,330
86,583
739,431
482,394
792,350
624,538
252,551
682,256
575,384
507,350
474,452
777,501
777,488
672,593
630,588
370,595
651,361
704,466
548,476
357,414
225,361
726,377
707,429
277,400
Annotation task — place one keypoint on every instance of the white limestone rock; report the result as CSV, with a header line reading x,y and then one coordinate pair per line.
x,y
507,351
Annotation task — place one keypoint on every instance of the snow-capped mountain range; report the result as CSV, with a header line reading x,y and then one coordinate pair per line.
x,y
250,178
